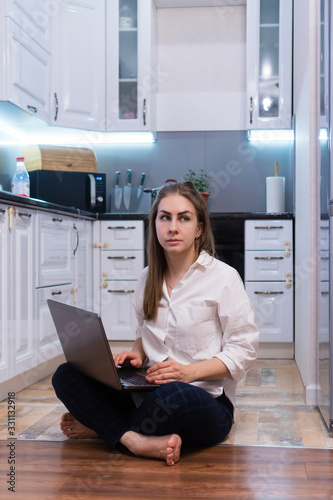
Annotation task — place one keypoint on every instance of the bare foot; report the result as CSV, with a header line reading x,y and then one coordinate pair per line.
x,y
166,447
73,429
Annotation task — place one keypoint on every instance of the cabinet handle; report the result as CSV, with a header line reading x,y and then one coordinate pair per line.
x,y
324,227
251,109
56,293
56,106
325,258
32,108
77,238
120,291
24,214
2,211
121,227
121,258
144,111
268,227
268,293
269,258
325,293
55,219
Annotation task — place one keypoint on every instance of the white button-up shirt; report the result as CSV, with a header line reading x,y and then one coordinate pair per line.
x,y
208,314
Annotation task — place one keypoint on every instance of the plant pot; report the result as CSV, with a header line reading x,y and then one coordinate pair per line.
x,y
205,195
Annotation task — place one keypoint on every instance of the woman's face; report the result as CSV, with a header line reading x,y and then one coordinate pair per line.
x,y
177,225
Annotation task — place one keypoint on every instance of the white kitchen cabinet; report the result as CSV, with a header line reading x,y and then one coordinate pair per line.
x,y
130,87
5,337
83,264
269,277
118,261
268,64
25,45
17,228
64,273
78,65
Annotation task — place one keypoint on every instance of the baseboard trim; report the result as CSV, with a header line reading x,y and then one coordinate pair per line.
x,y
276,350
23,380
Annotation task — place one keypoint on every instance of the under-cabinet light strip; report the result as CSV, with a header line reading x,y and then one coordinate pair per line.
x,y
270,135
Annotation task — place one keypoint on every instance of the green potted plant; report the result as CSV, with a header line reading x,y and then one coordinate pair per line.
x,y
200,181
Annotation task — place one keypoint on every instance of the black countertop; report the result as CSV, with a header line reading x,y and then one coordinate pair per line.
x,y
8,198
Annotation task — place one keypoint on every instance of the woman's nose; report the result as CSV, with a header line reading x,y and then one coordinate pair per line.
x,y
173,225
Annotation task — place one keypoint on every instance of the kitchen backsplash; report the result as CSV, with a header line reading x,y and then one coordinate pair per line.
x,y
238,168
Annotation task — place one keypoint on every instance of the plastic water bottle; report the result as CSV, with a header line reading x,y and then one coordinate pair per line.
x,y
21,179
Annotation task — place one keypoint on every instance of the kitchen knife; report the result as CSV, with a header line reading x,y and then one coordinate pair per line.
x,y
139,191
117,190
128,189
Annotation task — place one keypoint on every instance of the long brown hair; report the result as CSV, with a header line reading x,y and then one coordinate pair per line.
x,y
157,265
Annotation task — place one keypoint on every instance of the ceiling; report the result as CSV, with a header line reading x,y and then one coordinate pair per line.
x,y
162,4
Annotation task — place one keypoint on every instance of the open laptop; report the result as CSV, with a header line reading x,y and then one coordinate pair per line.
x,y
86,347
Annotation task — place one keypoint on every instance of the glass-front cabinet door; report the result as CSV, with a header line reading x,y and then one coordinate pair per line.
x,y
268,64
130,65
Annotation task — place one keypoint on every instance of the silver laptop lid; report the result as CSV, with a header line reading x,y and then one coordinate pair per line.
x,y
84,342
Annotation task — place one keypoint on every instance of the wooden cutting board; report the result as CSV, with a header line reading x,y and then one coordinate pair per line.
x,y
65,159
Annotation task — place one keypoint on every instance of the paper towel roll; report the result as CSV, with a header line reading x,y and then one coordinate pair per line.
x,y
275,189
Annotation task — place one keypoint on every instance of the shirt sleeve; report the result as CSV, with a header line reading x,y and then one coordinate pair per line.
x,y
240,336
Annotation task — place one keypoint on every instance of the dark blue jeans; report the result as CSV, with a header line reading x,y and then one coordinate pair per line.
x,y
176,407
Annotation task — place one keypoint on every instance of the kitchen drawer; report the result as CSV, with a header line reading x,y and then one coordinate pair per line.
x,y
117,310
122,265
55,246
273,306
268,235
48,344
268,266
122,235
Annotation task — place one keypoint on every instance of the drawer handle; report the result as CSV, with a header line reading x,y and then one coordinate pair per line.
x,y
121,291
325,258
56,293
325,293
2,210
268,293
268,227
324,227
269,258
57,219
120,257
121,227
24,214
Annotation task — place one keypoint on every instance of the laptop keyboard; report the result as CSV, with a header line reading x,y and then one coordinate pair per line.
x,y
132,378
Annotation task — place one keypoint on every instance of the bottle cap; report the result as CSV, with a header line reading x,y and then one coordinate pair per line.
x,y
19,159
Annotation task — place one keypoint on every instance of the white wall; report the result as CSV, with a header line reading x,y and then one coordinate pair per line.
x,y
307,189
201,68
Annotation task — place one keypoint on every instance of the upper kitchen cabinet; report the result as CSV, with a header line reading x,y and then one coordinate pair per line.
x,y
268,64
25,46
78,64
130,93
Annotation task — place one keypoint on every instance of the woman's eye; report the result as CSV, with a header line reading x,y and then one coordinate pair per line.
x,y
185,218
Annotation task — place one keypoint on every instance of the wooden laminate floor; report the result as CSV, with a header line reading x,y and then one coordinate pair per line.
x,y
76,470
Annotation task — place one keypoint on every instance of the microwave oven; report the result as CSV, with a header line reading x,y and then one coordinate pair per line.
x,y
81,190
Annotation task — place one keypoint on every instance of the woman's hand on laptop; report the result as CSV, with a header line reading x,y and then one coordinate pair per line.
x,y
128,358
